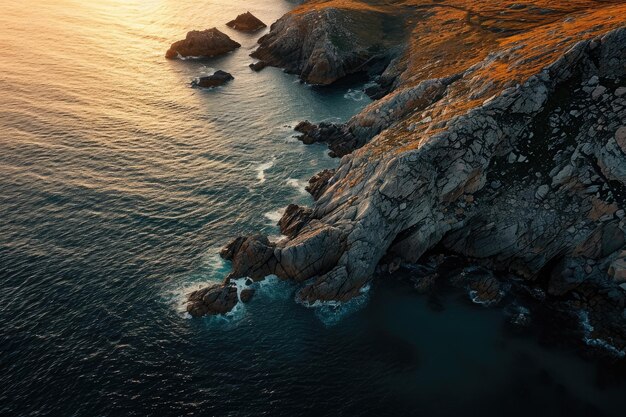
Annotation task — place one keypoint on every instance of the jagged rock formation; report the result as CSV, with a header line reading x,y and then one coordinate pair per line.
x,y
345,138
324,45
205,43
319,183
514,158
246,22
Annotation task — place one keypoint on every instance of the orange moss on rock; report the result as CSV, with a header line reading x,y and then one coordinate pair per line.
x,y
504,43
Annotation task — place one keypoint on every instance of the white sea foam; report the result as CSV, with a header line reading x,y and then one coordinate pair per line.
x,y
292,138
274,215
298,185
190,57
274,288
261,170
332,312
355,95
588,338
212,270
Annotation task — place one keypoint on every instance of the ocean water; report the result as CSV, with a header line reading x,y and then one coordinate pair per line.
x,y
118,185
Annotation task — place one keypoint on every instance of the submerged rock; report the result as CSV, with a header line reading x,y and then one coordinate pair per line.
x,y
218,78
206,43
246,22
211,300
257,66
246,295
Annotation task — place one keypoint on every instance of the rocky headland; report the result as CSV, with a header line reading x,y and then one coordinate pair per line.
x,y
205,43
500,140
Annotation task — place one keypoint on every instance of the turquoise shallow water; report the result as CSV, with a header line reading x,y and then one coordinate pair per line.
x,y
118,184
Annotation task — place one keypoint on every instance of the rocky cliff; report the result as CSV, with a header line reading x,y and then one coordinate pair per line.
x,y
325,44
503,141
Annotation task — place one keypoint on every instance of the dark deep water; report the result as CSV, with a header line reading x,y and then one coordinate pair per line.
x,y
118,184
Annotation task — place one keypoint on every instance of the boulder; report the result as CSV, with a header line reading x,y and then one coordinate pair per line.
x,y
257,66
246,22
211,300
486,290
246,295
205,43
218,78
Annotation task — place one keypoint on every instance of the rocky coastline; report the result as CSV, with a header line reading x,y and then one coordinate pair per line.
x,y
507,149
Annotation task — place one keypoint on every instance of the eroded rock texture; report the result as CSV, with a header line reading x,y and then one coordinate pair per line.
x,y
324,45
514,156
211,300
533,179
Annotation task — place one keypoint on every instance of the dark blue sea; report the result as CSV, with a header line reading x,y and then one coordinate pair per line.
x,y
118,185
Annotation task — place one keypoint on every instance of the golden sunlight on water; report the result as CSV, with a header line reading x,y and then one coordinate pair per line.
x,y
118,184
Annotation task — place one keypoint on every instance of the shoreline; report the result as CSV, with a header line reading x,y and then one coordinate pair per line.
x,y
372,213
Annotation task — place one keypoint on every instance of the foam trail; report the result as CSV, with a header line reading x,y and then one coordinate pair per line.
x,y
355,95
332,312
590,340
274,215
261,170
298,185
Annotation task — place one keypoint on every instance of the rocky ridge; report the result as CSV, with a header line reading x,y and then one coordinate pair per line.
x,y
520,171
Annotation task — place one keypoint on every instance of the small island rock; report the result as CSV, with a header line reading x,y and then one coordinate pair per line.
x,y
206,43
246,22
218,78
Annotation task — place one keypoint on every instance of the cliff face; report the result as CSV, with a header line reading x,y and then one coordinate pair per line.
x,y
513,155
324,45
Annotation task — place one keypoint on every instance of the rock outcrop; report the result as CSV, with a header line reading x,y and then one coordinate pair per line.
x,y
319,183
216,79
212,300
513,157
205,43
257,66
322,46
246,22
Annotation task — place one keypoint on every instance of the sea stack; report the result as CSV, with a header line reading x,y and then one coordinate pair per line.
x,y
246,22
205,43
216,79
